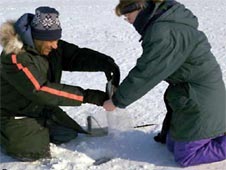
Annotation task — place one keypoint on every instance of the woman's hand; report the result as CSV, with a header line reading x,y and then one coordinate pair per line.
x,y
109,106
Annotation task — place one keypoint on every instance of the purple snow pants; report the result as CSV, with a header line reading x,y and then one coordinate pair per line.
x,y
198,152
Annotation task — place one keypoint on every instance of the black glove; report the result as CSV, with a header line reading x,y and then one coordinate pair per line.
x,y
161,138
96,97
113,72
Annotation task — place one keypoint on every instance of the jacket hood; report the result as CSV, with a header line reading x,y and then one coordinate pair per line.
x,y
15,34
9,39
169,11
179,14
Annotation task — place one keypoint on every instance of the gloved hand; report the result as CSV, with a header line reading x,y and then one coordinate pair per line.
x,y
113,72
96,97
160,137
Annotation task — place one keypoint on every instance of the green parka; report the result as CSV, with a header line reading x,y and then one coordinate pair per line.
x,y
174,50
30,81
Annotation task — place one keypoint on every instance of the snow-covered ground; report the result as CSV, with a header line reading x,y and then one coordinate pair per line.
x,y
92,23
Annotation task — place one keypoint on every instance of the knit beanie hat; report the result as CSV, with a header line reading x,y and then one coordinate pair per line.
x,y
46,24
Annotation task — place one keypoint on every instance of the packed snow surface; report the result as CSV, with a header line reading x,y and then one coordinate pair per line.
x,y
93,24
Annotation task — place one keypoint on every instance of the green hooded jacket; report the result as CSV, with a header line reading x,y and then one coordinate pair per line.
x,y
30,81
175,50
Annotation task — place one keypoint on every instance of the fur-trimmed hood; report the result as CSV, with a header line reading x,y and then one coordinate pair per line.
x,y
13,35
9,39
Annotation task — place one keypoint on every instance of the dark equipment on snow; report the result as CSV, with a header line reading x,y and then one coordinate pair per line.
x,y
101,160
95,131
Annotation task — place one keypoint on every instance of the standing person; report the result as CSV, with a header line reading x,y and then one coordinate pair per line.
x,y
175,50
32,62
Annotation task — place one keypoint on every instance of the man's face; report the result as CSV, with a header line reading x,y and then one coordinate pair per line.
x,y
131,17
45,47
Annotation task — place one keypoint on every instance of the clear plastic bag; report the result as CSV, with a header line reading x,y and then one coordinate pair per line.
x,y
118,121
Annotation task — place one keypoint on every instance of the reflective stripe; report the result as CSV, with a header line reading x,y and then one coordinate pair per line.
x,y
62,93
44,88
27,72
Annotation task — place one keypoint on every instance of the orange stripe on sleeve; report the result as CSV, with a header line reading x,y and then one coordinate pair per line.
x,y
44,88
27,72
14,59
32,78
20,67
62,93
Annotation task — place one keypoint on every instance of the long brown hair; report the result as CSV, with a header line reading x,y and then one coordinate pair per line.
x,y
124,3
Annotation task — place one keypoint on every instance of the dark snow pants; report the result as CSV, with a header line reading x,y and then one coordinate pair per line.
x,y
28,138
161,137
198,152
